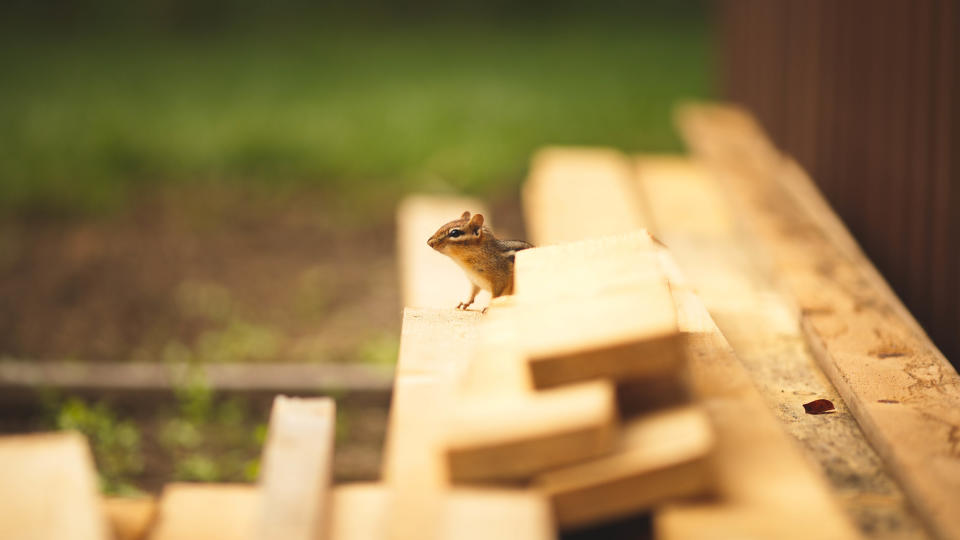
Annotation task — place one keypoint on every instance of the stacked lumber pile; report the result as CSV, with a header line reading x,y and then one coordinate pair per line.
x,y
49,489
556,392
622,378
602,387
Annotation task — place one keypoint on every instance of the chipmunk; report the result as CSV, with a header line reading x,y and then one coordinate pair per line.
x,y
487,261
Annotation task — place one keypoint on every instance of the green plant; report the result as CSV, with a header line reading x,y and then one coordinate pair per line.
x,y
115,442
197,467
209,438
356,108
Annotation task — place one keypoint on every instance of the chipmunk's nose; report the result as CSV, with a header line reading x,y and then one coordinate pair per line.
x,y
432,242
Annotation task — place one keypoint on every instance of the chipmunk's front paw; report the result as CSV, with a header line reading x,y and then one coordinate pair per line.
x,y
464,305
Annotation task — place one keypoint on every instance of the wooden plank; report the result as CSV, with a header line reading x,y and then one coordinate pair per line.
x,y
763,479
903,392
621,337
499,428
435,345
429,279
767,489
130,518
695,218
479,514
596,309
435,348
49,488
578,269
679,200
566,183
297,468
437,342
498,368
208,511
552,336
659,457
467,514
512,437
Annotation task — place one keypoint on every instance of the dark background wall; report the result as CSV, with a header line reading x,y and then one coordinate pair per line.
x,y
865,95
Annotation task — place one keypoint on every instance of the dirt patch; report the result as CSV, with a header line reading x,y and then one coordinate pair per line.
x,y
213,274
209,275
205,275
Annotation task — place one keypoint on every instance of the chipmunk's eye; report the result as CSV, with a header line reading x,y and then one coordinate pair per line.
x,y
455,233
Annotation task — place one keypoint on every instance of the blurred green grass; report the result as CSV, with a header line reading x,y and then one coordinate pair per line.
x,y
87,117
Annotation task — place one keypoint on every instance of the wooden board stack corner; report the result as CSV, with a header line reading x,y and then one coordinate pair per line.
x,y
208,511
565,183
903,392
49,488
360,512
297,469
749,443
659,456
505,438
436,346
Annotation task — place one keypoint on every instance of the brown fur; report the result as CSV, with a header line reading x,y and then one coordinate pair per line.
x,y
487,261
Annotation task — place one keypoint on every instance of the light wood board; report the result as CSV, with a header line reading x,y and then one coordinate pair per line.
x,y
207,511
903,392
738,286
763,478
296,470
565,184
767,489
511,437
360,513
597,308
659,456
48,488
436,345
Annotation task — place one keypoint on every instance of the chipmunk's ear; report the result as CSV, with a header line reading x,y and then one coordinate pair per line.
x,y
476,224
465,215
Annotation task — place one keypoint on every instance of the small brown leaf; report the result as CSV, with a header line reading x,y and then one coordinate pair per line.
x,y
819,406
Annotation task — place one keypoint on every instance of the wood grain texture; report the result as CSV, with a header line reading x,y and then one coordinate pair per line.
x,y
297,467
766,487
436,346
436,342
620,337
467,514
49,488
658,457
597,308
902,391
207,511
512,437
738,286
429,279
565,182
